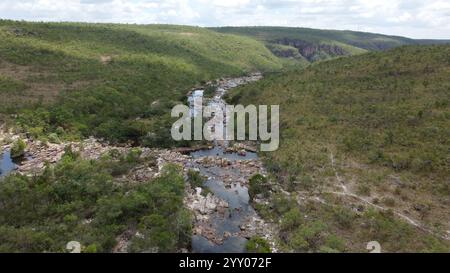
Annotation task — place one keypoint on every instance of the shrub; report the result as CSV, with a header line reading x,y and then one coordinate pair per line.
x,y
18,149
195,179
291,220
363,189
258,184
258,245
343,217
389,201
282,204
335,243
91,249
357,140
298,242
53,138
308,237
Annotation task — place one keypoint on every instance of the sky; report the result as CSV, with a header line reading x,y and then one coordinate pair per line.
x,y
427,19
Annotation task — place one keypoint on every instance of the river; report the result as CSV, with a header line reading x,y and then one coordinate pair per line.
x,y
227,183
232,221
7,165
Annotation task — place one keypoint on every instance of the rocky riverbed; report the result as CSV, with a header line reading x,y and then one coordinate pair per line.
x,y
223,216
225,212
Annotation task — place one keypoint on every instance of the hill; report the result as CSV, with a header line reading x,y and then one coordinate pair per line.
x,y
315,44
112,81
364,144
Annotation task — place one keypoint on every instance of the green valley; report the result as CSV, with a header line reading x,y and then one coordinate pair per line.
x,y
87,155
296,46
112,81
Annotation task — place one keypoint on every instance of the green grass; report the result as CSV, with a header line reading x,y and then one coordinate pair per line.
x,y
362,40
316,44
383,116
97,79
394,105
10,86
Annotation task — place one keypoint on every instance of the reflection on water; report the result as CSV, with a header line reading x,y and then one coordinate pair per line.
x,y
7,165
236,195
232,245
239,210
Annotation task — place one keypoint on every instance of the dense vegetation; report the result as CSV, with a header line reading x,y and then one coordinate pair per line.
x,y
113,81
379,121
85,201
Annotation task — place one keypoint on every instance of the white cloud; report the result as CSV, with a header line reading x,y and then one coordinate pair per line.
x,y
413,18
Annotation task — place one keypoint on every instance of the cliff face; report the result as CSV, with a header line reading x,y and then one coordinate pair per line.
x,y
313,52
285,53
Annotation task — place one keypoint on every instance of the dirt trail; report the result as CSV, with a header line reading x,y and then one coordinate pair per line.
x,y
346,192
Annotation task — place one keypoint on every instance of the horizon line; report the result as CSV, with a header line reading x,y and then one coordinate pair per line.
x,y
224,26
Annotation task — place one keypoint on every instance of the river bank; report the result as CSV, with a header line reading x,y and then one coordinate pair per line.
x,y
223,215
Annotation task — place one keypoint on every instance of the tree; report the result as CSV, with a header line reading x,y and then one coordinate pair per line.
x,y
18,149
258,184
291,220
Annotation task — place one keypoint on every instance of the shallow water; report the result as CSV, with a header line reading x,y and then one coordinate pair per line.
x,y
237,195
232,245
7,165
239,210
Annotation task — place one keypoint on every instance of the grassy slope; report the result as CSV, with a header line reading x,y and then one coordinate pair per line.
x,y
432,42
99,78
368,41
351,42
385,118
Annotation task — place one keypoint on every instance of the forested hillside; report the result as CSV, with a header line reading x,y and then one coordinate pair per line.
x,y
364,138
112,81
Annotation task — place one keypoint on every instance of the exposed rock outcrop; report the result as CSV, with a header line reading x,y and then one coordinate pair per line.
x,y
312,52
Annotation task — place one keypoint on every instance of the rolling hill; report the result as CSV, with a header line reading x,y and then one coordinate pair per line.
x,y
364,138
315,44
119,81
112,81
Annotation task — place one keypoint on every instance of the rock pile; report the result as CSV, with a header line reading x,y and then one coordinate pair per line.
x,y
39,153
205,205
